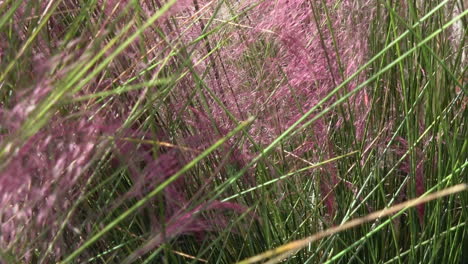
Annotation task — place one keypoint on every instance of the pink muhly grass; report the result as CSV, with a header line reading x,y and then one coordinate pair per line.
x,y
43,171
42,179
310,65
46,174
184,214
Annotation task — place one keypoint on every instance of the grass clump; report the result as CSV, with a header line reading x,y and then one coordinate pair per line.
x,y
233,131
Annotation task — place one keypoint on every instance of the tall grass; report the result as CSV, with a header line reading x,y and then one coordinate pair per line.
x,y
233,131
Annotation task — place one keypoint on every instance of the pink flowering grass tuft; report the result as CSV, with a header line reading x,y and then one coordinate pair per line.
x,y
314,64
42,179
45,173
114,131
302,56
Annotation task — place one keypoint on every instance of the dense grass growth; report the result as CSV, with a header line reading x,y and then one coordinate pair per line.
x,y
165,131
